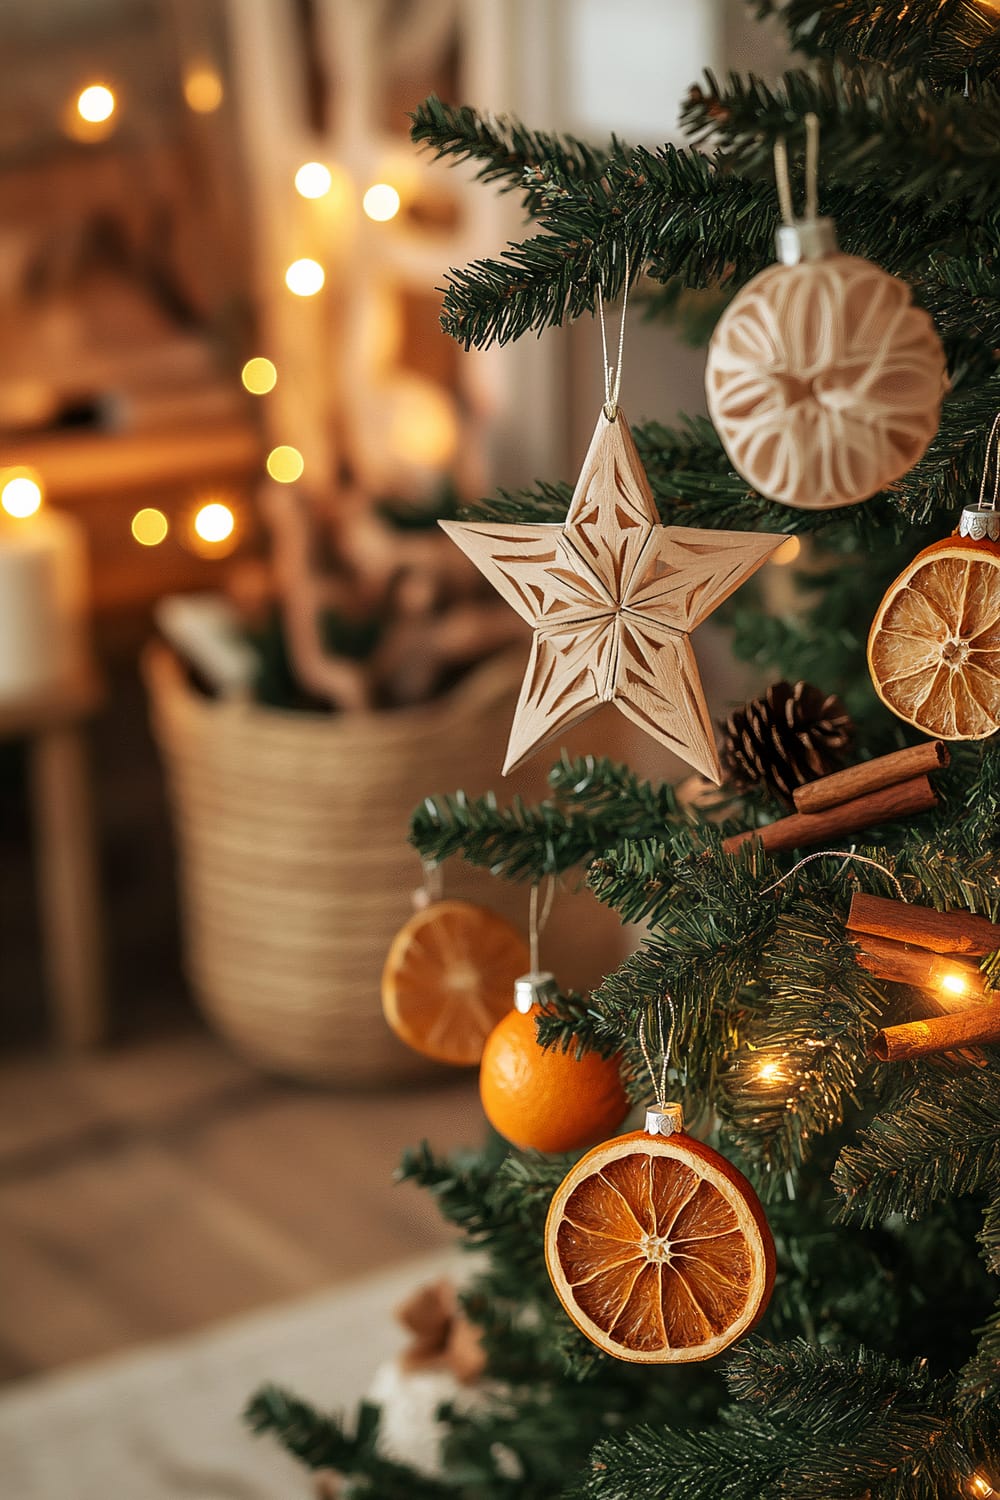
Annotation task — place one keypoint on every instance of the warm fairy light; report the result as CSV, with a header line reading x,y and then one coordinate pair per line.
x,y
419,423
259,376
150,526
21,493
214,522
313,180
771,1070
305,277
954,983
285,464
381,202
787,552
203,91
95,103
980,1486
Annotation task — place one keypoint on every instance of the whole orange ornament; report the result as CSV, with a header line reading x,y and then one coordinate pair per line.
x,y
546,1099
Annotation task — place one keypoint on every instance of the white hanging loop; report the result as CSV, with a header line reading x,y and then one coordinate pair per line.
x,y
783,180
432,888
981,522
660,1093
808,238
537,919
986,469
662,1117
613,373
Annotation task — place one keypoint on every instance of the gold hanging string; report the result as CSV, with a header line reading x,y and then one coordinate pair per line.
x,y
986,468
659,1097
537,920
613,373
847,856
783,180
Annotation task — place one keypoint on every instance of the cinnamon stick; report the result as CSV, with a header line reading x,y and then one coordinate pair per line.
x,y
952,979
938,1034
870,775
898,801
940,931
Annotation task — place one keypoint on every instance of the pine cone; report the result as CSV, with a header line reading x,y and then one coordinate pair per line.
x,y
788,737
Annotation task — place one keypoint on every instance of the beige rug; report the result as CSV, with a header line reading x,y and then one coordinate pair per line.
x,y
164,1423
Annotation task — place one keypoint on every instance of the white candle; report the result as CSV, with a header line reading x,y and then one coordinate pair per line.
x,y
42,603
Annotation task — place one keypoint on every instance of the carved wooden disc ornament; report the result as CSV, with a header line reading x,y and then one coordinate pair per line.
x,y
612,597
824,381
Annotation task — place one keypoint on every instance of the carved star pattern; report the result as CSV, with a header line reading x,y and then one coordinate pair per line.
x,y
612,597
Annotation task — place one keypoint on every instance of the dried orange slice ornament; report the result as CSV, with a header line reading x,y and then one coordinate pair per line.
x,y
447,979
658,1247
934,646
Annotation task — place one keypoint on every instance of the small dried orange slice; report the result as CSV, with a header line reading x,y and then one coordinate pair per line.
x,y
659,1250
934,647
449,978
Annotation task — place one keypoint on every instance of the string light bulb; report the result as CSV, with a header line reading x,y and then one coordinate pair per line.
x,y
770,1072
313,180
95,103
203,90
285,464
954,983
214,522
259,375
787,552
381,202
149,526
305,277
21,493
980,1487
770,1069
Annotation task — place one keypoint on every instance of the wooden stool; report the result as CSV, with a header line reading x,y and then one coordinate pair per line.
x,y
54,724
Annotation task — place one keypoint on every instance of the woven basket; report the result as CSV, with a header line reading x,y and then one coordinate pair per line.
x,y
293,864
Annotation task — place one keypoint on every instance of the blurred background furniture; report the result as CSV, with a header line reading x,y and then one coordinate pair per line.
x,y
54,724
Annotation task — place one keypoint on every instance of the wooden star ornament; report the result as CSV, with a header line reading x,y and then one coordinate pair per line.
x,y
612,597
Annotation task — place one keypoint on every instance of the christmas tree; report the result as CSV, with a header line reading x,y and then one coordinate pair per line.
x,y
876,1152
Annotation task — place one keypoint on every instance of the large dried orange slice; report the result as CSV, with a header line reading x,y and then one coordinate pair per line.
x,y
449,978
934,647
659,1250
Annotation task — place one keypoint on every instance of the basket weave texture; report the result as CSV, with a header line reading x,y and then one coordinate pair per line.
x,y
293,865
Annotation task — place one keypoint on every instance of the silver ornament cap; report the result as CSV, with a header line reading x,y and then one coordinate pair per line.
x,y
980,523
534,989
806,239
664,1119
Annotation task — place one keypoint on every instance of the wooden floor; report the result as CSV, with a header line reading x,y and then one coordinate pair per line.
x,y
163,1185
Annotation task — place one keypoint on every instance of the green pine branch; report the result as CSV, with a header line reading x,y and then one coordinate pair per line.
x,y
500,1208
948,42
979,1379
876,128
322,1442
942,1139
506,151
693,484
596,803
829,1423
